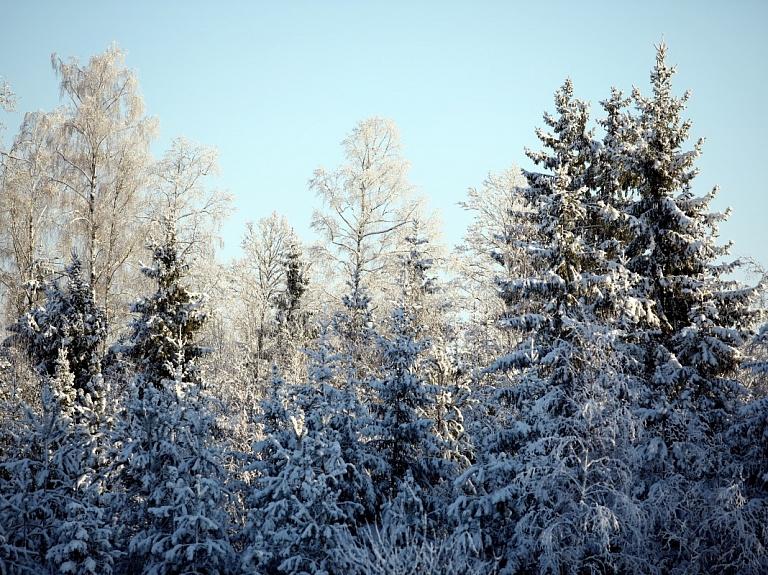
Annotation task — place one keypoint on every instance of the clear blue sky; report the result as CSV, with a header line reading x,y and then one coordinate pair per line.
x,y
275,86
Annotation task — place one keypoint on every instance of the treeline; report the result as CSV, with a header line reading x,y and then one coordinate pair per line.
x,y
578,388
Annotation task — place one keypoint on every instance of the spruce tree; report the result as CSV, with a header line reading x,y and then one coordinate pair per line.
x,y
294,325
423,310
401,433
162,340
307,489
171,494
353,325
552,487
70,321
693,337
690,326
51,508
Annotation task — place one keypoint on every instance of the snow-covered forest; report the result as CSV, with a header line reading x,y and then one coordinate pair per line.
x,y
578,388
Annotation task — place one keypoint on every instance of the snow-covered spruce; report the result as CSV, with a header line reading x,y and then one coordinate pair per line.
x,y
171,495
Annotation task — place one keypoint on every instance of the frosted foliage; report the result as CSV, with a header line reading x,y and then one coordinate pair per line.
x,y
558,482
68,323
50,506
500,224
173,482
324,362
7,97
367,203
301,497
271,282
353,325
169,466
102,150
163,334
431,301
297,511
29,213
692,353
181,193
580,389
623,380
395,549
402,432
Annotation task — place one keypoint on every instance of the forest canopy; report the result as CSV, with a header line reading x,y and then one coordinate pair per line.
x,y
578,388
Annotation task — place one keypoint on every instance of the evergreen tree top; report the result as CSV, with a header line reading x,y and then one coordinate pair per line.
x,y
163,335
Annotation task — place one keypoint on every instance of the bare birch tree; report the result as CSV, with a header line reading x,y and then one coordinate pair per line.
x,y
29,218
367,204
180,191
260,280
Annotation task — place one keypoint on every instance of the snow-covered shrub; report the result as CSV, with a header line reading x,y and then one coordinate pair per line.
x,y
403,543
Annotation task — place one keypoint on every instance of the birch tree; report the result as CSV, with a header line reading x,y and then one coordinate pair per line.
x,y
492,250
29,212
261,281
180,191
367,204
102,157
7,100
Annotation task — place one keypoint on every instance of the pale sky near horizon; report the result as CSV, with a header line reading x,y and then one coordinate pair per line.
x,y
275,86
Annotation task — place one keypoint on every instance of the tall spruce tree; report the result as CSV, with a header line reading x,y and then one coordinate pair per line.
x,y
162,340
689,342
552,488
294,325
171,495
